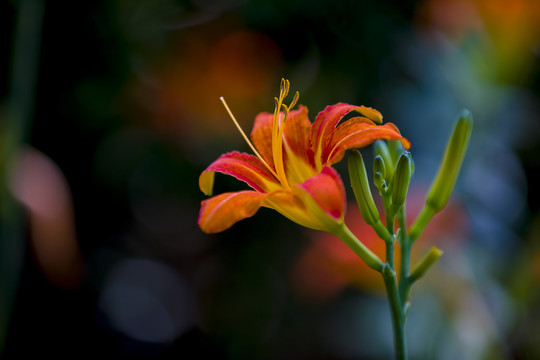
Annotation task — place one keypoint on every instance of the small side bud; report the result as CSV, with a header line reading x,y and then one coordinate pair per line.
x,y
382,150
451,163
360,185
426,263
402,178
380,183
378,166
379,172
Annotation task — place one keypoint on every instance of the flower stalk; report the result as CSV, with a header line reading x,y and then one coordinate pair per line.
x,y
392,171
359,248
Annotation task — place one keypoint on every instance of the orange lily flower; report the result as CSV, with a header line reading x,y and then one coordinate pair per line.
x,y
291,170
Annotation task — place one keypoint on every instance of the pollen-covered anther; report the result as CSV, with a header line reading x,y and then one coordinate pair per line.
x,y
294,100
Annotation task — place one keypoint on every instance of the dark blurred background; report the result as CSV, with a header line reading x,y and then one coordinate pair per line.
x,y
109,111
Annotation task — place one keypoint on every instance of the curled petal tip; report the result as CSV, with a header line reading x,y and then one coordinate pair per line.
x,y
405,143
206,182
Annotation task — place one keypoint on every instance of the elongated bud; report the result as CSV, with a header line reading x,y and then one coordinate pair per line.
x,y
402,178
427,262
381,149
444,182
395,148
360,185
451,163
379,172
378,165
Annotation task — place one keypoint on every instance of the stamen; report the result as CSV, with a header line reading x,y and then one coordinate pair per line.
x,y
277,133
284,89
246,138
294,100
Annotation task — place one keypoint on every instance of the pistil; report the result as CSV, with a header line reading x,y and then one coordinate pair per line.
x,y
246,138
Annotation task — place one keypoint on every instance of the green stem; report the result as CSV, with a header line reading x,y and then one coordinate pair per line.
x,y
397,313
421,222
406,246
389,275
382,231
359,248
390,217
390,254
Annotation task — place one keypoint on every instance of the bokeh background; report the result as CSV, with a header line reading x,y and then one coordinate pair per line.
x,y
109,111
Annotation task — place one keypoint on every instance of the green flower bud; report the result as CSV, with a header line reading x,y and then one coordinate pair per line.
x,y
427,262
378,165
360,185
382,150
451,164
379,171
395,148
380,183
445,180
402,178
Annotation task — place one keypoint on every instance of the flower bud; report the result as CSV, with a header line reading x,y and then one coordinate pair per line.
x,y
382,151
360,185
378,165
395,148
379,171
451,164
402,178
423,266
380,183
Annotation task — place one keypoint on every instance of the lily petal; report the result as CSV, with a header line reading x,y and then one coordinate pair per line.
x,y
327,190
222,211
299,163
319,203
296,132
261,136
357,133
327,120
245,167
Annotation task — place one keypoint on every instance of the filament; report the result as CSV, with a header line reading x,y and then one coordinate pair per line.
x,y
246,138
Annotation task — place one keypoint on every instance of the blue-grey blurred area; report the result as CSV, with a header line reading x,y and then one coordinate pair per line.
x,y
109,111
